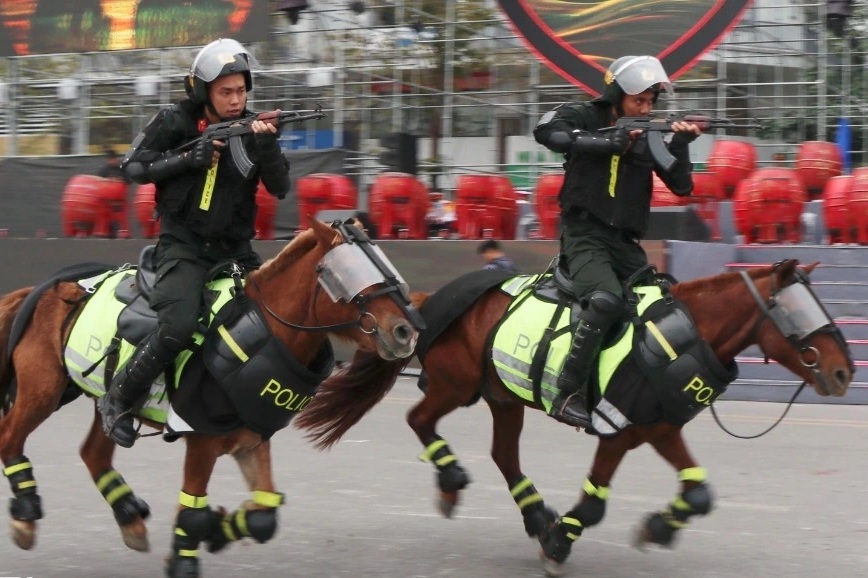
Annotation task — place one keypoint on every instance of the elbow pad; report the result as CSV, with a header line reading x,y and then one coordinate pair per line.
x,y
597,144
167,167
559,142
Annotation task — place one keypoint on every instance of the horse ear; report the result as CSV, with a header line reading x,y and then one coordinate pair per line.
x,y
809,268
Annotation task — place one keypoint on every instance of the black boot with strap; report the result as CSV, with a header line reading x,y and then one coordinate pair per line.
x,y
570,406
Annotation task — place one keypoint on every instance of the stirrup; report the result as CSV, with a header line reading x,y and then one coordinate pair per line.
x,y
574,418
111,430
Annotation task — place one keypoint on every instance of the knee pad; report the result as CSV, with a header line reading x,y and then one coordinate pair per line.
x,y
171,340
195,522
699,498
605,303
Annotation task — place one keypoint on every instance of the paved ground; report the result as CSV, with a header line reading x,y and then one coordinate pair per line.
x,y
792,504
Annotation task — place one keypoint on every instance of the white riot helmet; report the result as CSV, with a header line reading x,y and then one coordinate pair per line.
x,y
633,75
219,58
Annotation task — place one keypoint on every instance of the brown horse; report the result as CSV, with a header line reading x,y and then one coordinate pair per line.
x,y
329,280
771,307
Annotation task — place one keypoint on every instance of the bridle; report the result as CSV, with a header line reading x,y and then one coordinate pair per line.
x,y
385,275
772,310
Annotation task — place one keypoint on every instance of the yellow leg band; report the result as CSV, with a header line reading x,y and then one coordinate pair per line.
x,y
696,474
193,501
267,499
431,450
17,468
601,492
520,487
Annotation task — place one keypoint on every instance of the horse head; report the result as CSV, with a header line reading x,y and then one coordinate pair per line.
x,y
772,307
795,330
333,279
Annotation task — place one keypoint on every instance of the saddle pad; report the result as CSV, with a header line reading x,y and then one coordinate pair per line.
x,y
515,344
92,334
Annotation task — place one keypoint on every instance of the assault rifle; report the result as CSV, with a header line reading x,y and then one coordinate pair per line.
x,y
655,126
232,130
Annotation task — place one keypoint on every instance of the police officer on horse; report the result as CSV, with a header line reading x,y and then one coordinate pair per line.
x,y
605,206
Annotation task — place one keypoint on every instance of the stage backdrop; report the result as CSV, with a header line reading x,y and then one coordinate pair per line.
x,y
58,26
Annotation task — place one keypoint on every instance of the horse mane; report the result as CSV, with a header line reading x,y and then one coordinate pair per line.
x,y
302,244
713,283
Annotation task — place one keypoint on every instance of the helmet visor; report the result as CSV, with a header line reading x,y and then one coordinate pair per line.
x,y
640,73
222,57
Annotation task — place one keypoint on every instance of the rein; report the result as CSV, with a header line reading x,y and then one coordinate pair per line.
x,y
317,328
767,430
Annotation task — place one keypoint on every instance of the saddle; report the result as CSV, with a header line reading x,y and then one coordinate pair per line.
x,y
137,320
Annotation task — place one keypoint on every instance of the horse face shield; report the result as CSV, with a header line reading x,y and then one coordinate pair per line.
x,y
797,312
346,271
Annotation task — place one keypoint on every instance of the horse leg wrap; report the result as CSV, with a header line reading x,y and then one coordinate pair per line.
x,y
451,477
537,517
124,503
694,501
558,540
261,524
592,507
26,505
192,525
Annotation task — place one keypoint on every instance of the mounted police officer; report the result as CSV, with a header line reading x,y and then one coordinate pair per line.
x,y
605,206
207,209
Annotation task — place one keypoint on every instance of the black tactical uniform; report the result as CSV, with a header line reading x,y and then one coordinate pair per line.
x,y
207,216
605,206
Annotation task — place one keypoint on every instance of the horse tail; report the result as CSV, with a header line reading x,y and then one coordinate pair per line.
x,y
346,396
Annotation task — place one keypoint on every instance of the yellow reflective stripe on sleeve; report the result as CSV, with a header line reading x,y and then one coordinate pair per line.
x,y
667,347
189,501
267,499
613,174
696,474
17,468
208,189
233,345
601,492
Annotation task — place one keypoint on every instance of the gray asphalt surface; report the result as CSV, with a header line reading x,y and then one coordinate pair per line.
x,y
791,504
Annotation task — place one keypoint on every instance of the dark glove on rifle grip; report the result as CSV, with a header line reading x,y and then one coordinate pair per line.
x,y
619,141
684,137
202,155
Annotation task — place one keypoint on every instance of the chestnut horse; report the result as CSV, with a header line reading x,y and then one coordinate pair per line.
x,y
329,280
771,307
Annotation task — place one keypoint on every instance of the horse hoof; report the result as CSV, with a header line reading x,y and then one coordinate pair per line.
x,y
23,533
182,567
550,567
136,540
446,503
641,538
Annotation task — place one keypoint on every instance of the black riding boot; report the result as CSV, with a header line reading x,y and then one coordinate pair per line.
x,y
128,387
571,404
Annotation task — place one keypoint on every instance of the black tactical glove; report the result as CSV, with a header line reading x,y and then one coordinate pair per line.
x,y
683,137
619,141
202,155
